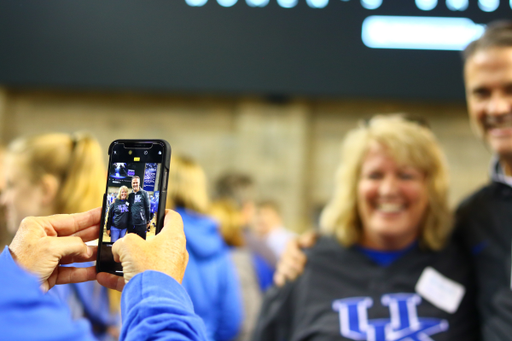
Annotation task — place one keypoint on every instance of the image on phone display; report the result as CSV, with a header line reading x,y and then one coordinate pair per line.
x,y
134,200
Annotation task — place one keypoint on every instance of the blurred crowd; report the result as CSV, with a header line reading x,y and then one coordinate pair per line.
x,y
391,261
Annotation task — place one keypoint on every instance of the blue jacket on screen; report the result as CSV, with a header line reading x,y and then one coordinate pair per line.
x,y
210,278
153,305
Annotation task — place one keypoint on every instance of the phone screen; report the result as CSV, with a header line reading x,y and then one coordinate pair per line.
x,y
134,200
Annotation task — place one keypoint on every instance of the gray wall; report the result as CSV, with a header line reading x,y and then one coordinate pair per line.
x,y
291,149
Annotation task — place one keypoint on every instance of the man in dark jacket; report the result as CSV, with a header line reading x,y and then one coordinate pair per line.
x,y
139,208
484,219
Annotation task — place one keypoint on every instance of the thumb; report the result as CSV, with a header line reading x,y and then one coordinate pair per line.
x,y
110,281
173,224
124,246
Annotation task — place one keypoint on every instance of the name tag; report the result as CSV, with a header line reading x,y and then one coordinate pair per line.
x,y
439,290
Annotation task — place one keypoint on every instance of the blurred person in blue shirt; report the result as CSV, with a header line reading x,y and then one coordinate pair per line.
x,y
210,279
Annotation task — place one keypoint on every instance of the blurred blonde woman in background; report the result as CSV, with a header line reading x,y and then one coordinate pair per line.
x,y
60,173
210,278
386,268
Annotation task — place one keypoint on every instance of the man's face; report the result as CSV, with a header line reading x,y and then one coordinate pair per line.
x,y
488,79
135,184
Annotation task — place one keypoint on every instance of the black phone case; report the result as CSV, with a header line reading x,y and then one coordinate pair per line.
x,y
164,177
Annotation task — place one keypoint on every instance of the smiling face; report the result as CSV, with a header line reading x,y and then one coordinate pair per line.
x,y
392,201
124,194
135,184
488,80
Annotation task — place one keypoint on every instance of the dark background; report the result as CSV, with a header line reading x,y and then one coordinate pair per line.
x,y
167,46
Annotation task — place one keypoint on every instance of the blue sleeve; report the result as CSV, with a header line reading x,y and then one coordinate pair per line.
x,y
230,314
264,272
96,304
28,314
154,306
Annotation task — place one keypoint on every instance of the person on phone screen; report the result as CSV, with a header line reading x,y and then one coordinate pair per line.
x,y
138,201
119,215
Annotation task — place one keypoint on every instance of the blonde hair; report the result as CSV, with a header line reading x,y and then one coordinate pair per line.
x,y
187,185
75,160
120,190
408,143
231,221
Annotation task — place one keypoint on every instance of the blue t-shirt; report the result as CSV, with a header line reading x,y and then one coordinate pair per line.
x,y
385,258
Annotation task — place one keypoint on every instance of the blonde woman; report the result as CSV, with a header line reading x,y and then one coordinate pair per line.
x,y
119,215
385,268
210,278
52,173
60,173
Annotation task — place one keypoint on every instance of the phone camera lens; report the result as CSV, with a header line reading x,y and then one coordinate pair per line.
x,y
145,152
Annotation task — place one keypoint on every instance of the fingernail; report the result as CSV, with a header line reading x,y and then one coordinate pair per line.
x,y
89,252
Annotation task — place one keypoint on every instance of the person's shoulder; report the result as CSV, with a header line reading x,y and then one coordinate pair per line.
x,y
480,195
325,247
484,197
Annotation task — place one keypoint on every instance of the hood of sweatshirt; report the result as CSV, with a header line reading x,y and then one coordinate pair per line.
x,y
202,232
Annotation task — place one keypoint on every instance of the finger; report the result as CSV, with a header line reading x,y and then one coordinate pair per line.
x,y
110,281
289,274
297,257
122,246
293,244
279,279
69,224
173,224
67,275
80,258
89,233
307,239
293,265
68,247
292,253
117,248
289,271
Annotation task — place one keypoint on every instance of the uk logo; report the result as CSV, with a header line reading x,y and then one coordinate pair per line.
x,y
137,198
403,324
123,208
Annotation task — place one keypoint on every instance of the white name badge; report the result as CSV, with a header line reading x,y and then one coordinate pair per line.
x,y
439,290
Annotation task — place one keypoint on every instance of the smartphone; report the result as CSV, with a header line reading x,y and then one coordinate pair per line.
x,y
135,194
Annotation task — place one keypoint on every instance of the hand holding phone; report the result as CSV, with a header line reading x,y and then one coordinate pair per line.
x,y
135,195
165,253
42,244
